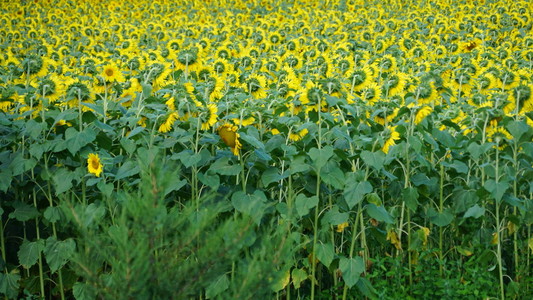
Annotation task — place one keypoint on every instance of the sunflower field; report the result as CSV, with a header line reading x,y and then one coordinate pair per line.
x,y
228,149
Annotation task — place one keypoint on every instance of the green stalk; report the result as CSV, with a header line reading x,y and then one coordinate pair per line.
x,y
41,276
315,238
2,241
317,208
352,244
498,229
515,193
441,206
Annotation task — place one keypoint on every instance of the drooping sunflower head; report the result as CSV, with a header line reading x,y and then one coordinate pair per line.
x,y
229,135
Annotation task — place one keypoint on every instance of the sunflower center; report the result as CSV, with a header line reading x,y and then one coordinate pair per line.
x,y
109,72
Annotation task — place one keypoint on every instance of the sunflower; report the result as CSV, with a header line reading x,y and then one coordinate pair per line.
x,y
166,126
212,117
298,135
229,135
498,135
422,113
391,141
359,78
111,73
94,166
256,85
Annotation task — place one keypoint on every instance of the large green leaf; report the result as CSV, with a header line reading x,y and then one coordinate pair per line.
x,y
216,287
83,291
320,156
355,192
325,253
63,180
223,167
475,211
57,253
410,196
129,168
252,205
75,140
496,189
442,218
305,204
373,159
351,269
298,276
334,217
29,252
52,214
9,284
23,212
379,213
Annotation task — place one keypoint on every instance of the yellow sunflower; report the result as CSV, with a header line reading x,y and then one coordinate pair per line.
x,y
94,166
111,73
391,141
229,135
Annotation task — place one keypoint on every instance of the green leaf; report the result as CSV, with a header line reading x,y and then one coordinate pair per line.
x,y
351,269
250,139
63,180
366,288
517,128
23,212
175,185
129,168
222,167
252,205
459,166
332,175
92,214
75,140
334,217
52,214
270,175
410,196
355,193
99,109
9,284
379,213
216,287
325,253
128,145
6,176
29,252
57,253
320,156
373,159
477,150
135,131
188,158
496,189
475,211
305,204
298,276
298,165
211,180
442,219
83,291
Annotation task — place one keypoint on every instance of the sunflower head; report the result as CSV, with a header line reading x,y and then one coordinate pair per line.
x,y
229,135
94,166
